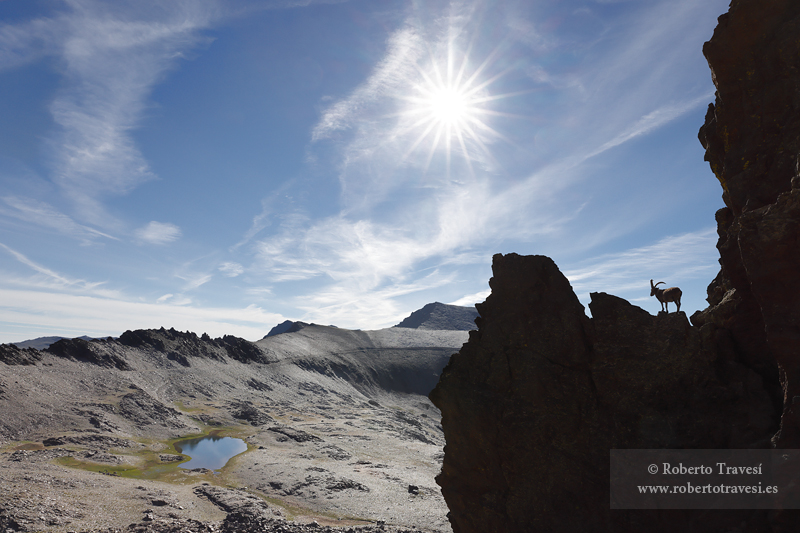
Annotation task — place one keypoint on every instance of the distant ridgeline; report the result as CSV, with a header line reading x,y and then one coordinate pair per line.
x,y
434,316
407,358
442,317
40,343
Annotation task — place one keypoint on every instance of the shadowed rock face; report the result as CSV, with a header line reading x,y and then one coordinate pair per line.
x,y
533,403
752,140
81,350
13,355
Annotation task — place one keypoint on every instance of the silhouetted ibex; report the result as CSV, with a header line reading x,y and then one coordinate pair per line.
x,y
673,294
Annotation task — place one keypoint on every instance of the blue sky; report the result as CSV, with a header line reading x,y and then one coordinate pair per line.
x,y
221,166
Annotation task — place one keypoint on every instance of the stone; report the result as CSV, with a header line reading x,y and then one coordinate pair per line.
x,y
533,403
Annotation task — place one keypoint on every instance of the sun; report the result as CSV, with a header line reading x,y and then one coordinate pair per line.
x,y
449,109
447,105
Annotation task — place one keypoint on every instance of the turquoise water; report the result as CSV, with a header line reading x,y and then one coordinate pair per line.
x,y
210,452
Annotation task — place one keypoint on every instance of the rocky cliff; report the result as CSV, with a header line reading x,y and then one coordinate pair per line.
x,y
535,400
533,403
752,140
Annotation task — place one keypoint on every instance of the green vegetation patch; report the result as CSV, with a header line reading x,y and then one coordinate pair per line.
x,y
24,445
148,464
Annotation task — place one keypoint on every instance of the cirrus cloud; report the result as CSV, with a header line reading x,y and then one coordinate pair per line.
x,y
158,233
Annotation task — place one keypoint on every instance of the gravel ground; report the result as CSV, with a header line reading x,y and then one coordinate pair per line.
x,y
340,437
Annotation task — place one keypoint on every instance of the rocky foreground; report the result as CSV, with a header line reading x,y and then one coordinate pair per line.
x,y
340,434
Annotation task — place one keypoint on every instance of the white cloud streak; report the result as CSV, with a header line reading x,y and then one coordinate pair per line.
x,y
471,299
158,233
48,277
44,215
405,47
231,270
195,281
675,259
344,304
111,57
37,313
652,121
24,43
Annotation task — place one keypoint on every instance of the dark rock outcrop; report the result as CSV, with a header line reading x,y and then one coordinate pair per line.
x,y
242,350
442,317
533,403
177,345
10,354
752,140
296,435
244,410
84,351
142,409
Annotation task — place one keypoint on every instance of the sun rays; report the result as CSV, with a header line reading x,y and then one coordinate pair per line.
x,y
447,110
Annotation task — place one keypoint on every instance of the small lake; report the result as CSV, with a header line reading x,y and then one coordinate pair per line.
x,y
210,452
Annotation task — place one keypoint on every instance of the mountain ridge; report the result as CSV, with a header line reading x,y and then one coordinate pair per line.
x,y
439,316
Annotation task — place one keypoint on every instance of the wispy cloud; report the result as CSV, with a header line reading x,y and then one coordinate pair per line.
x,y
675,259
269,208
652,121
45,215
405,47
158,233
111,57
643,67
195,281
38,312
231,270
349,305
472,299
48,277
363,264
27,42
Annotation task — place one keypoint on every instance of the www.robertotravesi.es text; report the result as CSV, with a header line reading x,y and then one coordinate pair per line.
x,y
689,488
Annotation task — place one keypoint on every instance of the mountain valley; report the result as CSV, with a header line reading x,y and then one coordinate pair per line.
x,y
338,426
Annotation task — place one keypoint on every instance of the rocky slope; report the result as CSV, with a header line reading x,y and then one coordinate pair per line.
x,y
535,400
442,317
338,426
